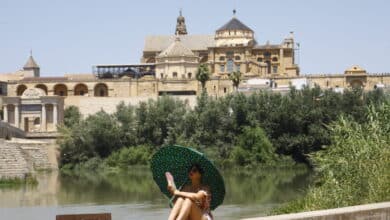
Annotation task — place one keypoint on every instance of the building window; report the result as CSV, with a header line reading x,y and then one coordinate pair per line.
x,y
268,66
189,75
237,58
224,90
222,68
274,69
230,66
221,58
238,67
259,59
275,59
215,88
162,75
183,76
174,74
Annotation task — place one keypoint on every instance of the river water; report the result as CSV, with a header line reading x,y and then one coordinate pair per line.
x,y
134,195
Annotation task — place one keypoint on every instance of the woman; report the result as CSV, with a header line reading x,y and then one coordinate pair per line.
x,y
193,202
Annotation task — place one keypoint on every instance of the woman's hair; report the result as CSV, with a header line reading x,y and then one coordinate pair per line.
x,y
197,166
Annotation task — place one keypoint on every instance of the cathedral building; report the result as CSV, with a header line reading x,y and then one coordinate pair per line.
x,y
169,64
233,47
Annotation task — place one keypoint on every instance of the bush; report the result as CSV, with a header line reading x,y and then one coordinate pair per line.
x,y
355,168
72,116
253,146
125,157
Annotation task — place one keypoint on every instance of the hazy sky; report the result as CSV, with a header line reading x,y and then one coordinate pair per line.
x,y
69,36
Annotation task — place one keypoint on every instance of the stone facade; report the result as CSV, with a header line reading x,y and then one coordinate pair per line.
x,y
171,64
34,111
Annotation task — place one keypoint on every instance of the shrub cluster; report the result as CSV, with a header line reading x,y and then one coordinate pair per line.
x,y
354,169
247,130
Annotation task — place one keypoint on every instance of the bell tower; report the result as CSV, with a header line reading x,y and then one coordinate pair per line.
x,y
181,28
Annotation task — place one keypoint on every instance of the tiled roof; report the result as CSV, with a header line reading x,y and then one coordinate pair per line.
x,y
44,79
159,43
234,24
31,63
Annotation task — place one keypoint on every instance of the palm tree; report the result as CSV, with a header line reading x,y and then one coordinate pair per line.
x,y
235,77
203,75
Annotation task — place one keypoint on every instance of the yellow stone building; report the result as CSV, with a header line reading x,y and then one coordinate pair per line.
x,y
169,65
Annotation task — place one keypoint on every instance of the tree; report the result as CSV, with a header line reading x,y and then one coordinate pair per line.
x,y
235,77
203,75
72,116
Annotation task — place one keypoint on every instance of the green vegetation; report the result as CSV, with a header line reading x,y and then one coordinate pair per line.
x,y
17,182
264,128
203,75
354,169
235,77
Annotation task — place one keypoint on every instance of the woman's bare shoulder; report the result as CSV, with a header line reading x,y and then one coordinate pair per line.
x,y
186,188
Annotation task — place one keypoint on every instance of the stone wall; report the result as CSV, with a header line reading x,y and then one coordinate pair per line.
x,y
12,161
19,157
91,105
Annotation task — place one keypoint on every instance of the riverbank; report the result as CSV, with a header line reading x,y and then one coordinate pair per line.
x,y
133,194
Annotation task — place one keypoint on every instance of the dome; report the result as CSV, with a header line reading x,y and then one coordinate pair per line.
x,y
176,49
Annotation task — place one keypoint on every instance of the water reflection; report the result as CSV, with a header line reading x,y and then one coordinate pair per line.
x,y
248,193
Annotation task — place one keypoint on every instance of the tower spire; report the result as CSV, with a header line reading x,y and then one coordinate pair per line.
x,y
181,28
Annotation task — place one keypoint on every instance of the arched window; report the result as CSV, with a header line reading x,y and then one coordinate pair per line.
x,y
101,90
259,59
37,121
20,89
237,58
43,87
267,54
174,74
230,66
80,90
275,59
221,58
189,75
60,90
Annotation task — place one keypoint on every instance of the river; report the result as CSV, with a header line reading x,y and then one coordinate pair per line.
x,y
134,195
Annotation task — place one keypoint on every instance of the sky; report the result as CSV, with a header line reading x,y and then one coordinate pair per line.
x,y
70,36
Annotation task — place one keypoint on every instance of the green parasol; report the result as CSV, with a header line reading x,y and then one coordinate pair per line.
x,y
178,160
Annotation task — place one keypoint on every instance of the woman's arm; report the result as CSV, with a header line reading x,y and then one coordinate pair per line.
x,y
193,196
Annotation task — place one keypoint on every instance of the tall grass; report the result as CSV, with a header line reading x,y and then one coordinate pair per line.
x,y
355,169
